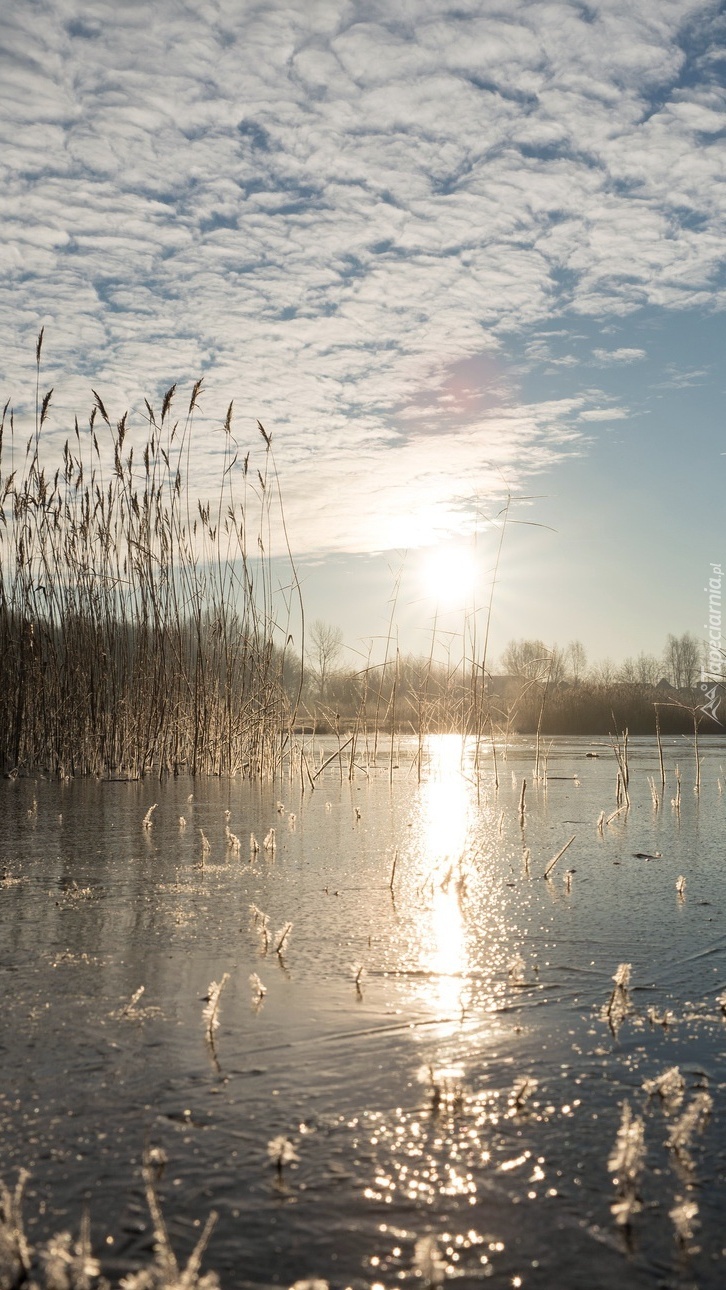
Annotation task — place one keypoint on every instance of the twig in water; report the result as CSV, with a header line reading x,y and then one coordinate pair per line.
x,y
282,935
615,814
393,870
560,853
147,820
128,1009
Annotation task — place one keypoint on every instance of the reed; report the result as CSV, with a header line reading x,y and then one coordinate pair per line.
x,y
137,627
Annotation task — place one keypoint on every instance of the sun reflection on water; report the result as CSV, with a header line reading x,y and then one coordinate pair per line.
x,y
456,927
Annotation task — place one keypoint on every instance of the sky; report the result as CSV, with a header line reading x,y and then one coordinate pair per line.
x,y
447,253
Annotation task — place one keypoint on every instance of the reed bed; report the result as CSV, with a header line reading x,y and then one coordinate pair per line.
x,y
137,627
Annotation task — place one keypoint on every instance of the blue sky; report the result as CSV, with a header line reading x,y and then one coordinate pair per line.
x,y
440,250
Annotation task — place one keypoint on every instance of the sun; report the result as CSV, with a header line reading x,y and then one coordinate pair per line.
x,y
448,574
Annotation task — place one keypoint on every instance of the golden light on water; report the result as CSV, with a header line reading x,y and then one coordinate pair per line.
x,y
458,941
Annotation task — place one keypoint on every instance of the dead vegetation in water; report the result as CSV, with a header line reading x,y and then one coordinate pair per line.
x,y
67,1263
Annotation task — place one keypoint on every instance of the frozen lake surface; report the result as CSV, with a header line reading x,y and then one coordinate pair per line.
x,y
468,1088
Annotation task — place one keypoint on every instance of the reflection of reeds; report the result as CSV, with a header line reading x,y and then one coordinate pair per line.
x,y
625,1164
676,801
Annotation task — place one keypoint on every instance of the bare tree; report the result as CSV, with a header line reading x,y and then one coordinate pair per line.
x,y
528,659
326,644
577,660
682,658
649,669
603,673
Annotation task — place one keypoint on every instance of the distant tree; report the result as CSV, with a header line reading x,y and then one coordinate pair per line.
x,y
649,669
604,672
528,659
576,659
628,672
682,658
326,644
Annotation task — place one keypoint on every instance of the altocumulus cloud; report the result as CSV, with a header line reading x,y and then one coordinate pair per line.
x,y
341,212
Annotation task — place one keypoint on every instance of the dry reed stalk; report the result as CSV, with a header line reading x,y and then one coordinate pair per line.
x,y
560,853
660,749
136,631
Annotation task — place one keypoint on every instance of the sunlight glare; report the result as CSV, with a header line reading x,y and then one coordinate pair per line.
x,y
448,574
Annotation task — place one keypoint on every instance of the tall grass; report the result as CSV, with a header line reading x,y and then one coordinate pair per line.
x,y
137,627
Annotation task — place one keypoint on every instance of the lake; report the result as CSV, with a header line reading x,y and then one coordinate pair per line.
x,y
431,1086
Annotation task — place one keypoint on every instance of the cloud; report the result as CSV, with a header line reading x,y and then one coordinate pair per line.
x,y
623,355
604,414
327,209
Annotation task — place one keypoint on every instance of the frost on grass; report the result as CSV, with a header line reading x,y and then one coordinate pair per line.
x,y
669,1087
69,1264
261,923
210,1014
625,1164
132,1012
65,1263
258,991
618,1005
164,1272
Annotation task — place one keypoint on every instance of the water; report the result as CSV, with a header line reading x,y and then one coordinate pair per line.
x,y
402,1096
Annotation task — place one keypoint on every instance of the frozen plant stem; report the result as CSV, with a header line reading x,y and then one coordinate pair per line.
x,y
211,1010
281,937
560,853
